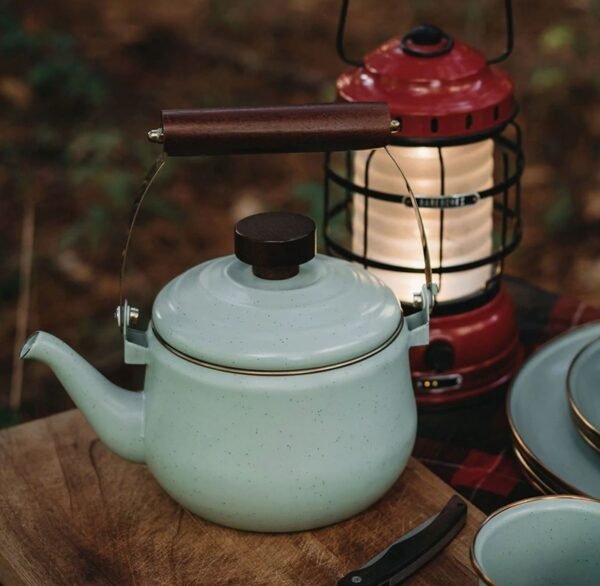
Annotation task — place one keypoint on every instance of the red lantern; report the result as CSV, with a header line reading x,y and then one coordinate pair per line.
x,y
460,148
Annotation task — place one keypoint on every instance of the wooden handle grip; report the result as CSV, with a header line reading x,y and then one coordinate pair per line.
x,y
292,129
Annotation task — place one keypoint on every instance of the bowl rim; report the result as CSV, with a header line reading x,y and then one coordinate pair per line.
x,y
475,562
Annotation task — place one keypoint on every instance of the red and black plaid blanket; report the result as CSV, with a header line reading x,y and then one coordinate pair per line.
x,y
470,447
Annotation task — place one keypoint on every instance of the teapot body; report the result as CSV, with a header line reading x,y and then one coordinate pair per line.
x,y
278,394
278,452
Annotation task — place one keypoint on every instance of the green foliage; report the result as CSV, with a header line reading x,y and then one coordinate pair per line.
x,y
562,43
60,80
13,38
48,141
99,161
94,162
475,14
62,73
557,37
560,213
232,17
327,92
548,77
90,230
90,152
52,64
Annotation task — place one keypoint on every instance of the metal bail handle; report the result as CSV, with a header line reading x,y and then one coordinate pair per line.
x,y
288,129
124,313
293,129
426,298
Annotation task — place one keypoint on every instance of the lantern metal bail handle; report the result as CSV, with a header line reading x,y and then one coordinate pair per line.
x,y
341,33
426,298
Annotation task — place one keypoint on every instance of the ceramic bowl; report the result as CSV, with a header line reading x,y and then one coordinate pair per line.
x,y
544,541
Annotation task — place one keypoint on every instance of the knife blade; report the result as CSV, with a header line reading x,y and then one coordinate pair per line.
x,y
413,550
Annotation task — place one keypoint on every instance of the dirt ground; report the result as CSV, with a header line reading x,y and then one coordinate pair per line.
x,y
82,82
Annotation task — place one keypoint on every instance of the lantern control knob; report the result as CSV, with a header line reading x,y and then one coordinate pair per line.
x,y
275,243
439,356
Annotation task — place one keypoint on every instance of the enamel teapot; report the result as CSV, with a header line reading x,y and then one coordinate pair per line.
x,y
277,392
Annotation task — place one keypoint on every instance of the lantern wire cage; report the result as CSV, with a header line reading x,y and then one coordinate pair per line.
x,y
341,189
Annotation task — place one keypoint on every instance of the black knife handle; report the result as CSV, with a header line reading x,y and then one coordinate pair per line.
x,y
403,559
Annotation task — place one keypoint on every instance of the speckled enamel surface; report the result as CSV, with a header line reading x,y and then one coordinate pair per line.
x,y
255,452
543,542
282,453
263,453
219,312
117,415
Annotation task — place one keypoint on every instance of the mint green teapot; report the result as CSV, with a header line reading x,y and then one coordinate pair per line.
x,y
277,392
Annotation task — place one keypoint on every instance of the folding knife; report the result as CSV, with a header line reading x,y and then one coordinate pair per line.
x,y
413,550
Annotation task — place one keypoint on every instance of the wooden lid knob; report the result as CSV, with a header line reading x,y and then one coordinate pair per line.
x,y
275,243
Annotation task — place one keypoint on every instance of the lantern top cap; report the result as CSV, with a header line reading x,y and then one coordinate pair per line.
x,y
436,87
426,40
426,34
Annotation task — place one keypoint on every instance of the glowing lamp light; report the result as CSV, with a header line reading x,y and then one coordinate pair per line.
x,y
393,234
459,147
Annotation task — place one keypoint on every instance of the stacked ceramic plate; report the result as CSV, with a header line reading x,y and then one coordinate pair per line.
x,y
554,414
583,390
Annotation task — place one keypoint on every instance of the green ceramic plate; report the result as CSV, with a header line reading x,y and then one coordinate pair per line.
x,y
540,420
535,476
583,386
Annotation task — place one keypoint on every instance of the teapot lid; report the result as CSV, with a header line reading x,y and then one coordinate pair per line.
x,y
275,305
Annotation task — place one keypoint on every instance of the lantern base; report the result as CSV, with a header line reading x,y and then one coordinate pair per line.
x,y
472,354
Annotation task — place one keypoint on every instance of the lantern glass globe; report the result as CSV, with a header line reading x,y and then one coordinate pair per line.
x,y
393,235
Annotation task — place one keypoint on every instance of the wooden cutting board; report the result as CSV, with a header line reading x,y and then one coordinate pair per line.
x,y
71,512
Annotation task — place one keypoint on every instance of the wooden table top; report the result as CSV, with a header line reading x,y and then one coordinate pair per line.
x,y
71,512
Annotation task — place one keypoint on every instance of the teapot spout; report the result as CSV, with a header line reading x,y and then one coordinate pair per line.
x,y
115,414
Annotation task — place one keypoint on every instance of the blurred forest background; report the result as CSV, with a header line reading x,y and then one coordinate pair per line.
x,y
82,82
